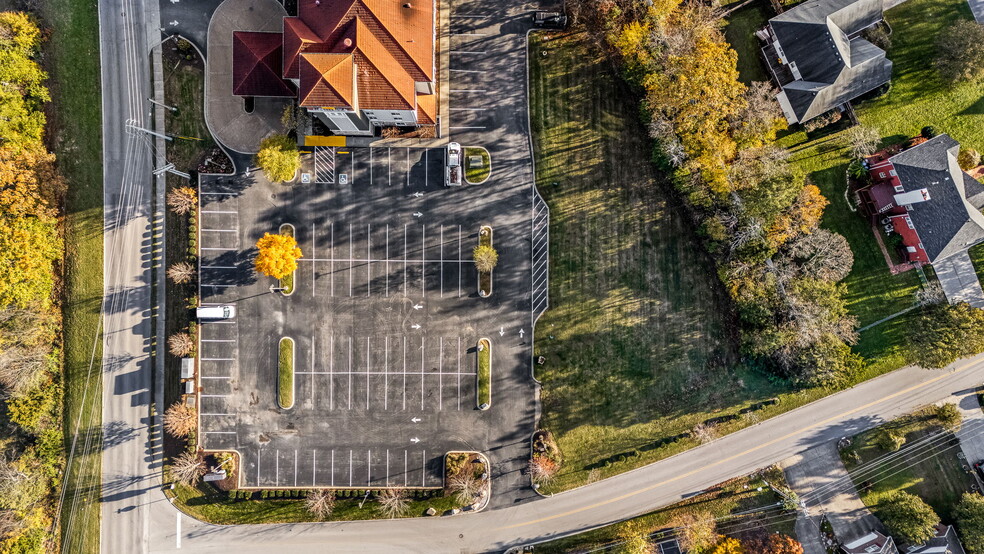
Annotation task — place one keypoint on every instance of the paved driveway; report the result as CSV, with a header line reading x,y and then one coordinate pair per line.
x,y
959,280
820,479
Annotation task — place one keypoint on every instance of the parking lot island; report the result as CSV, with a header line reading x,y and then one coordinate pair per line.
x,y
285,381
484,376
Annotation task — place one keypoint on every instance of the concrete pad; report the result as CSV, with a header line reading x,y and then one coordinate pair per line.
x,y
959,280
224,113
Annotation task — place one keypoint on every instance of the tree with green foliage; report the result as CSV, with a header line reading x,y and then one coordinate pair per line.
x,y
949,416
970,522
890,440
279,158
943,333
968,159
960,52
486,258
908,518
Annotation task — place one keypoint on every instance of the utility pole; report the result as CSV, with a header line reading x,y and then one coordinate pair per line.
x,y
148,131
169,168
163,105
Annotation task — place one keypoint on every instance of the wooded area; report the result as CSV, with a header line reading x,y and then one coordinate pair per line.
x,y
757,215
31,193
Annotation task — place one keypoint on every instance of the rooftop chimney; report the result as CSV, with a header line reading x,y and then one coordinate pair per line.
x,y
347,42
912,197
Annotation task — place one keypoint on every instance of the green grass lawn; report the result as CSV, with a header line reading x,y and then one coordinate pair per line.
x,y
285,379
476,174
731,497
485,373
184,88
740,32
74,123
208,504
287,282
933,473
917,98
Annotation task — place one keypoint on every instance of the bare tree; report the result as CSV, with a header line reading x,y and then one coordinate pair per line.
x,y
960,51
465,486
187,468
181,344
704,432
21,366
180,419
9,523
18,488
761,116
181,272
862,141
393,502
696,532
320,503
822,254
182,200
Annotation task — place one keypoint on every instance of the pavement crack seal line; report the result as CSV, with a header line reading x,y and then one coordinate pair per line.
x,y
743,453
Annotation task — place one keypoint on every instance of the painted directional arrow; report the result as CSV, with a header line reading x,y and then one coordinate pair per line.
x,y
521,333
415,440
417,194
418,214
415,419
174,23
415,326
502,331
418,306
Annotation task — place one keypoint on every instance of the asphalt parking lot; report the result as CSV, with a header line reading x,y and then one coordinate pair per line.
x,y
385,317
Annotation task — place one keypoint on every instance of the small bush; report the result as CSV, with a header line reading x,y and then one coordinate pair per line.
x,y
949,415
891,440
927,132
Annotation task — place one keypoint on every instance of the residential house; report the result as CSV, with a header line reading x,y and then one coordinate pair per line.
x,y
872,543
927,204
356,65
945,542
818,58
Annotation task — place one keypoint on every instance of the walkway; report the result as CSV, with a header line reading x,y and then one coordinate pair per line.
x,y
224,113
818,469
977,6
959,280
971,433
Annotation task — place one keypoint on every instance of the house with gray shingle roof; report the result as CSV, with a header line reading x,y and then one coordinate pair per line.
x,y
818,58
922,195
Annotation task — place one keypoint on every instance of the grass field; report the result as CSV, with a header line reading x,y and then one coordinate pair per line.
x,y
213,506
74,123
731,497
184,87
285,379
931,471
485,373
740,32
477,174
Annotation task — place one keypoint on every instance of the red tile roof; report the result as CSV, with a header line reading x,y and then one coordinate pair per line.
x,y
326,80
256,65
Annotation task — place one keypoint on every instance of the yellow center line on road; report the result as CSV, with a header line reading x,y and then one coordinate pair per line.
x,y
741,454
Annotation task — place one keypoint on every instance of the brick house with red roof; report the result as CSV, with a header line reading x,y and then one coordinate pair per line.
x,y
356,65
922,195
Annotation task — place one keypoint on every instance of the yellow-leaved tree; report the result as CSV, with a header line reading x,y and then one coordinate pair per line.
x,y
278,255
279,158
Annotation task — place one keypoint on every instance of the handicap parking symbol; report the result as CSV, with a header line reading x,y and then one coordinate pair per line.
x,y
343,178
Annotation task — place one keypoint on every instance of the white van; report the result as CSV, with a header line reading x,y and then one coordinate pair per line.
x,y
453,176
216,312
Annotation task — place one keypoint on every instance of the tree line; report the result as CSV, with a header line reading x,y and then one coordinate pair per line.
x,y
31,191
757,214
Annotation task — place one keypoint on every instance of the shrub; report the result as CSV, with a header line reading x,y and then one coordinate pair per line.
x,y
908,517
180,419
180,344
928,132
181,272
968,159
455,462
486,258
279,158
949,415
891,440
182,200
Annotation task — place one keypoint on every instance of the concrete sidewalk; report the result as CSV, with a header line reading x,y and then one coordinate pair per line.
x,y
971,433
820,469
959,279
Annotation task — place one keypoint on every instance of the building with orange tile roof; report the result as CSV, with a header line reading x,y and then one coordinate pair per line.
x,y
356,65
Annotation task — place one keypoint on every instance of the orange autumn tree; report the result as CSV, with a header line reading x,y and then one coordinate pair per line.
x,y
278,255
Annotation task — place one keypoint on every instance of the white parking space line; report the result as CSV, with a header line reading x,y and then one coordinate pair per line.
x,y
405,290
370,167
408,167
295,468
218,359
225,249
313,379
350,374
469,16
314,468
331,371
214,414
404,373
456,128
467,71
421,372
387,259
368,257
332,250
215,395
441,244
314,254
423,468
219,267
219,193
219,230
426,180
333,467
387,467
381,260
423,253
386,381
406,467
218,340
350,468
475,90
368,468
219,212
389,167
468,109
460,269
215,377
368,372
440,376
350,272
276,480
223,433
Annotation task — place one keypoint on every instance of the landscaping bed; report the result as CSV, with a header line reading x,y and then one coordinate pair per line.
x,y
287,283
477,175
484,376
485,277
285,373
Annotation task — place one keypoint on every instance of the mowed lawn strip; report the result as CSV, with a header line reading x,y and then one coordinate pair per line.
x,y
637,339
930,470
74,133
285,381
740,32
485,372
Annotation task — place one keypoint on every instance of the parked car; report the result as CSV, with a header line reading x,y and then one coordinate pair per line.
x,y
216,312
453,178
549,20
979,468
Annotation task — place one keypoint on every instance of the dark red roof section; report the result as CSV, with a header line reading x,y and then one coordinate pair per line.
x,y
256,65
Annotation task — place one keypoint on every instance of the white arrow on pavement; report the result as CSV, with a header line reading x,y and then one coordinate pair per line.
x,y
418,306
415,326
174,23
502,331
521,333
418,214
175,1
415,419
417,194
415,440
